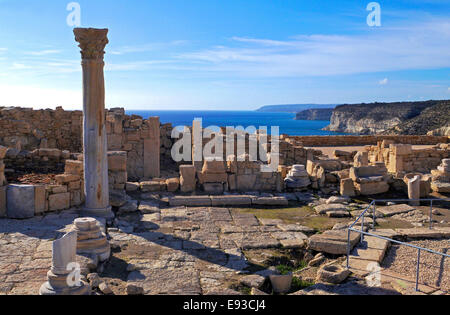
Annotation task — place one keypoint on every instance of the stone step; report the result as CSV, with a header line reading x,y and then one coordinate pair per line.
x,y
270,201
231,200
333,242
227,201
372,249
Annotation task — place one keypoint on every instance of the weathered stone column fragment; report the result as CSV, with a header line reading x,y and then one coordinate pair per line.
x,y
92,44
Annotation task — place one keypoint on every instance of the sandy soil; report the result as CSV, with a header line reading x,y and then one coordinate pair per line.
x,y
434,269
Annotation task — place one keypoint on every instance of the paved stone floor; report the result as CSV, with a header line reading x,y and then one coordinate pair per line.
x,y
169,250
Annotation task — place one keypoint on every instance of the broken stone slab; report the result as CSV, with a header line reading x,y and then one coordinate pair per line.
x,y
261,242
419,233
337,200
117,198
231,200
128,207
20,201
190,201
440,187
296,228
338,214
253,281
63,263
270,201
183,281
389,211
333,274
323,209
293,243
149,207
333,242
270,222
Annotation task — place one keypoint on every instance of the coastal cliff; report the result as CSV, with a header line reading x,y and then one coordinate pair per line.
x,y
377,118
315,114
292,108
434,121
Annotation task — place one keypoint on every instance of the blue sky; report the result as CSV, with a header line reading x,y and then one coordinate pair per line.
x,y
228,54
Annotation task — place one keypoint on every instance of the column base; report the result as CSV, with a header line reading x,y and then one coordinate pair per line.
x,y
100,213
47,289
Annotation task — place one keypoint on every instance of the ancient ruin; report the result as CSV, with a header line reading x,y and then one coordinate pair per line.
x,y
140,222
60,280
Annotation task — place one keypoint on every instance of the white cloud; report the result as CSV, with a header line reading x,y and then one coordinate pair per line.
x,y
420,46
19,66
144,48
384,81
43,52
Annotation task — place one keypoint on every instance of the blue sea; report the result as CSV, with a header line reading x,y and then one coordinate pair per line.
x,y
286,122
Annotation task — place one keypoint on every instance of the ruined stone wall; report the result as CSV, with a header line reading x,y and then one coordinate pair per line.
x,y
20,201
329,141
401,158
32,129
61,129
136,136
40,160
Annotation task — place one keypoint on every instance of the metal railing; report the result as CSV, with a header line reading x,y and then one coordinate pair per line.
x,y
372,206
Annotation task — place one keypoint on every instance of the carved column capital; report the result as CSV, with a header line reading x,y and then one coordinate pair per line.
x,y
92,42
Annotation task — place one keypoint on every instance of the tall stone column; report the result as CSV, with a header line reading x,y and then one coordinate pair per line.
x,y
92,44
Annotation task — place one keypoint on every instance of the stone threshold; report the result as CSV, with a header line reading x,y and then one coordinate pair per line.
x,y
227,201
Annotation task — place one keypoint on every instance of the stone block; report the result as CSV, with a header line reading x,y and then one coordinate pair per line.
x,y
117,161
173,184
232,185
187,178
245,182
213,167
73,167
3,151
39,199
129,187
213,188
212,178
270,201
333,242
59,201
347,188
3,201
190,201
74,186
401,149
372,188
76,198
152,186
67,178
59,189
231,200
152,147
20,201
